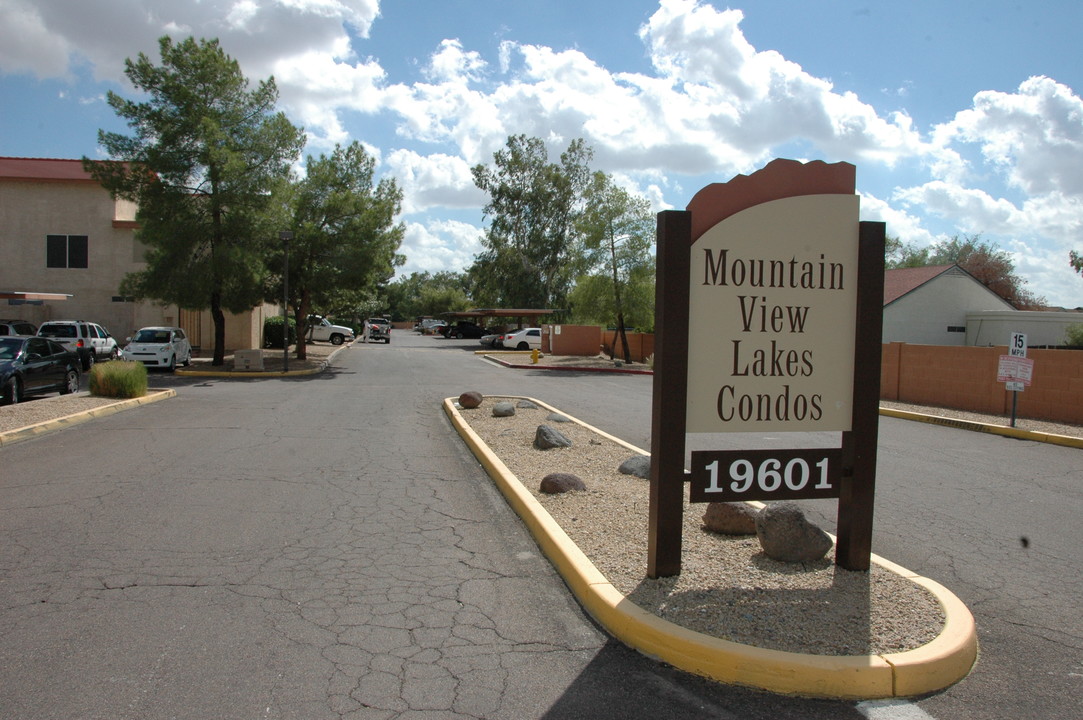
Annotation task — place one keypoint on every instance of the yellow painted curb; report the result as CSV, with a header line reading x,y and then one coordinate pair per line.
x,y
934,666
41,428
1018,434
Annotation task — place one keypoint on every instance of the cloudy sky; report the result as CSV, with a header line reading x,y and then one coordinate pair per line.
x,y
962,116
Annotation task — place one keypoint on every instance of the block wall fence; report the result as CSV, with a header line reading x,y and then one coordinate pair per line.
x,y
962,378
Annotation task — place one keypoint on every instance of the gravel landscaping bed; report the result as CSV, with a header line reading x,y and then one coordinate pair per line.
x,y
727,587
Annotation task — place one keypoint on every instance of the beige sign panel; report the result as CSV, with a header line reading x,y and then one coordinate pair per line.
x,y
773,297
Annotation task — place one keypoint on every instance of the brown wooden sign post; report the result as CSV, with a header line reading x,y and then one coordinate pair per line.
x,y
768,318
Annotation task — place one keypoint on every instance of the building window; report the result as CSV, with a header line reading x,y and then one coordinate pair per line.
x,y
66,251
957,328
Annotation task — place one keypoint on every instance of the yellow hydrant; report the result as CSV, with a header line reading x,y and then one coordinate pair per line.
x,y
534,355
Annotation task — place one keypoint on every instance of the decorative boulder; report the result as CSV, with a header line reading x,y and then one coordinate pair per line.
x,y
730,518
638,465
546,438
527,405
557,417
470,399
503,409
555,483
786,535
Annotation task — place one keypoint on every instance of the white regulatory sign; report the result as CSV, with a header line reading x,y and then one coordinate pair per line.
x,y
1018,345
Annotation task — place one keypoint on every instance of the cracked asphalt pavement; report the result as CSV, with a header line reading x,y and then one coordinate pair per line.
x,y
326,547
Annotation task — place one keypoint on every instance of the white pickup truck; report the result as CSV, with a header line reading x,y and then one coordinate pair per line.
x,y
320,328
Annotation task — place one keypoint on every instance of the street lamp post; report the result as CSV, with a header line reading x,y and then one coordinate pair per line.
x,y
285,236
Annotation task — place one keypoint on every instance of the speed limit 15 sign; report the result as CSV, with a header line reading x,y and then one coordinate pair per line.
x,y
734,475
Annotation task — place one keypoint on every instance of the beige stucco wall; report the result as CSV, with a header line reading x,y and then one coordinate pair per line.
x,y
31,210
1040,327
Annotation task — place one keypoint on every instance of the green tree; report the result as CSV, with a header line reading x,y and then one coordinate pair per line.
x,y
206,154
426,294
531,253
1076,261
617,230
992,266
345,238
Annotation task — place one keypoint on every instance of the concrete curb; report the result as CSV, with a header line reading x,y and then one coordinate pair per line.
x,y
566,368
1011,432
13,436
243,375
940,663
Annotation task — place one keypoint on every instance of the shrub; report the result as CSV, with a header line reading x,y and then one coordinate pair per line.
x,y
1073,336
272,332
119,379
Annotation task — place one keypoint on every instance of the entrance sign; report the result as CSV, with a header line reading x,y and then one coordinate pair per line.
x,y
769,311
771,318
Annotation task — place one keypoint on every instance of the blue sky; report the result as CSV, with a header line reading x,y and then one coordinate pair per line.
x,y
962,117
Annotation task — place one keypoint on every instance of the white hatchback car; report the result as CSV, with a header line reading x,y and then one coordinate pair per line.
x,y
159,347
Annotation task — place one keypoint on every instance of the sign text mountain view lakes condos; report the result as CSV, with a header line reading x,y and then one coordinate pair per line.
x,y
771,318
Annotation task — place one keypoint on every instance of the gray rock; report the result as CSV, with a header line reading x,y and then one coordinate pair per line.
x,y
503,409
786,535
470,399
638,465
527,405
731,518
546,438
557,417
554,483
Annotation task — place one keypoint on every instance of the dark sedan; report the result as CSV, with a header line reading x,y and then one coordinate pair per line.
x,y
462,330
35,366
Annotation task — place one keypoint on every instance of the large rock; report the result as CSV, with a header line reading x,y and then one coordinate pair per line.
x,y
503,409
546,438
470,399
638,465
527,405
731,518
554,483
786,535
557,417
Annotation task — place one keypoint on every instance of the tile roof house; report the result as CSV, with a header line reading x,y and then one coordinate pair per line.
x,y
65,247
946,305
929,305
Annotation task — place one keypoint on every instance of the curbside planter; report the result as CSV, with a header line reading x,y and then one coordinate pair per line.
x,y
934,666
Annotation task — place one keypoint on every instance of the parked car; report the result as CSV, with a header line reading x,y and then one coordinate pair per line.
x,y
525,339
320,328
35,366
464,329
490,339
159,347
17,327
380,330
430,326
89,340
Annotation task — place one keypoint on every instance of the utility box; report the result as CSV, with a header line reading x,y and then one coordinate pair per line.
x,y
248,360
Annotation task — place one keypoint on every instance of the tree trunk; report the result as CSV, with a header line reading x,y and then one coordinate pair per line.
x,y
623,338
302,325
219,319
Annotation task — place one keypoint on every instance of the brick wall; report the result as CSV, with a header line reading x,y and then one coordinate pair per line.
x,y
965,378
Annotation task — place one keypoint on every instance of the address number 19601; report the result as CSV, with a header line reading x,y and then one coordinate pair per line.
x,y
765,475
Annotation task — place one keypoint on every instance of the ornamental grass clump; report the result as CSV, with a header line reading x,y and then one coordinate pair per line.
x,y
119,379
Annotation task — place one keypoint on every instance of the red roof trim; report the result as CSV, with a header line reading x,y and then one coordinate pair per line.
x,y
44,169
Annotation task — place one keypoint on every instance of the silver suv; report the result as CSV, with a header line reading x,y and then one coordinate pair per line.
x,y
89,340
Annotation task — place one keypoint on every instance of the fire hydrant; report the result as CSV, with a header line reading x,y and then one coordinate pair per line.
x,y
534,355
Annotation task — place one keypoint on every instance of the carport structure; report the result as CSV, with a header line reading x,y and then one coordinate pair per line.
x,y
478,315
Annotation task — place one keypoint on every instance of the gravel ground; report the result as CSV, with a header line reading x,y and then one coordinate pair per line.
x,y
727,587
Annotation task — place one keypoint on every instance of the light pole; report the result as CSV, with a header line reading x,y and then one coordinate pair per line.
x,y
285,236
